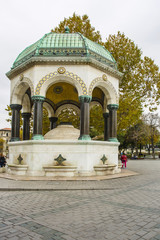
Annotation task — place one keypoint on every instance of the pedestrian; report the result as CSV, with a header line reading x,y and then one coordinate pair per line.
x,y
2,161
123,159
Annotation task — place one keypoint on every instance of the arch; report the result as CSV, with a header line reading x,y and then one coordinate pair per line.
x,y
49,109
64,106
26,104
94,103
107,88
70,77
19,90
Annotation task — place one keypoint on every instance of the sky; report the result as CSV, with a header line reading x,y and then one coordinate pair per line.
x,y
23,22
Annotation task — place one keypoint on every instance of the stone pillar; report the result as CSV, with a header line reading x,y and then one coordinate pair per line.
x,y
106,126
26,125
15,122
53,122
37,117
84,117
113,122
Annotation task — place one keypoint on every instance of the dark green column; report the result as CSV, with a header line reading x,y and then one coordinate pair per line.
x,y
113,122
106,126
15,122
84,117
38,117
26,125
53,122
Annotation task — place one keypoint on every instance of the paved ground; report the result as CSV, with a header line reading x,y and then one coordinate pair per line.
x,y
122,208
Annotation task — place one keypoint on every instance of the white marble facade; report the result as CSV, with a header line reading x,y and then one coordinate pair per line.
x,y
38,74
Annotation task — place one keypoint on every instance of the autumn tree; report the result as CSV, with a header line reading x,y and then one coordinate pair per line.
x,y
139,85
1,144
153,122
69,115
79,24
137,136
96,122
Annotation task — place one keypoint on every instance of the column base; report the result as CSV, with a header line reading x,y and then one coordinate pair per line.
x,y
84,137
37,137
113,140
14,139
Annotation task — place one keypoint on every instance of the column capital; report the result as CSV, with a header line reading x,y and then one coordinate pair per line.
x,y
16,107
38,98
112,106
106,115
53,119
85,99
26,115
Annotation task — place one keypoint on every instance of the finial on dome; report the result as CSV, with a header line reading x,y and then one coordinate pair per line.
x,y
67,30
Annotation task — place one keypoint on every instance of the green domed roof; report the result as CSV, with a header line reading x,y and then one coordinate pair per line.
x,y
66,44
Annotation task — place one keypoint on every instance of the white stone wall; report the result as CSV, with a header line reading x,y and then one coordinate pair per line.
x,y
35,74
82,154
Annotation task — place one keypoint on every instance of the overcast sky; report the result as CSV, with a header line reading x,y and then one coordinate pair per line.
x,y
23,22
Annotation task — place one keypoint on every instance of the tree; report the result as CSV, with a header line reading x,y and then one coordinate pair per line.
x,y
153,122
139,85
1,144
46,122
79,24
96,121
69,115
8,109
137,135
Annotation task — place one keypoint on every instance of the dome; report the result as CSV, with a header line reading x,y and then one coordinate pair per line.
x,y
64,131
66,45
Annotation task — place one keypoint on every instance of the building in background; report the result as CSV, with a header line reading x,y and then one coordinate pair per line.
x,y
5,136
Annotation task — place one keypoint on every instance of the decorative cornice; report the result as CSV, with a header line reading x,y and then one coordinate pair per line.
x,y
64,60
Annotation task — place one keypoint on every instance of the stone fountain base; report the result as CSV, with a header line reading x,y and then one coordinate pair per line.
x,y
81,157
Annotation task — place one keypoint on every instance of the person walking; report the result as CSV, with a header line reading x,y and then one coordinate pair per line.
x,y
123,159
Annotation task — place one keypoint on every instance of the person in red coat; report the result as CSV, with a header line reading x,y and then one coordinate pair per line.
x,y
123,159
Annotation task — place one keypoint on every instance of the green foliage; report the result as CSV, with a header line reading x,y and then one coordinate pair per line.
x,y
96,121
153,122
8,109
69,115
46,122
1,140
1,144
79,24
138,87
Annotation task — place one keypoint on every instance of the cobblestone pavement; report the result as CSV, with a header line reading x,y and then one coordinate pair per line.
x,y
122,208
